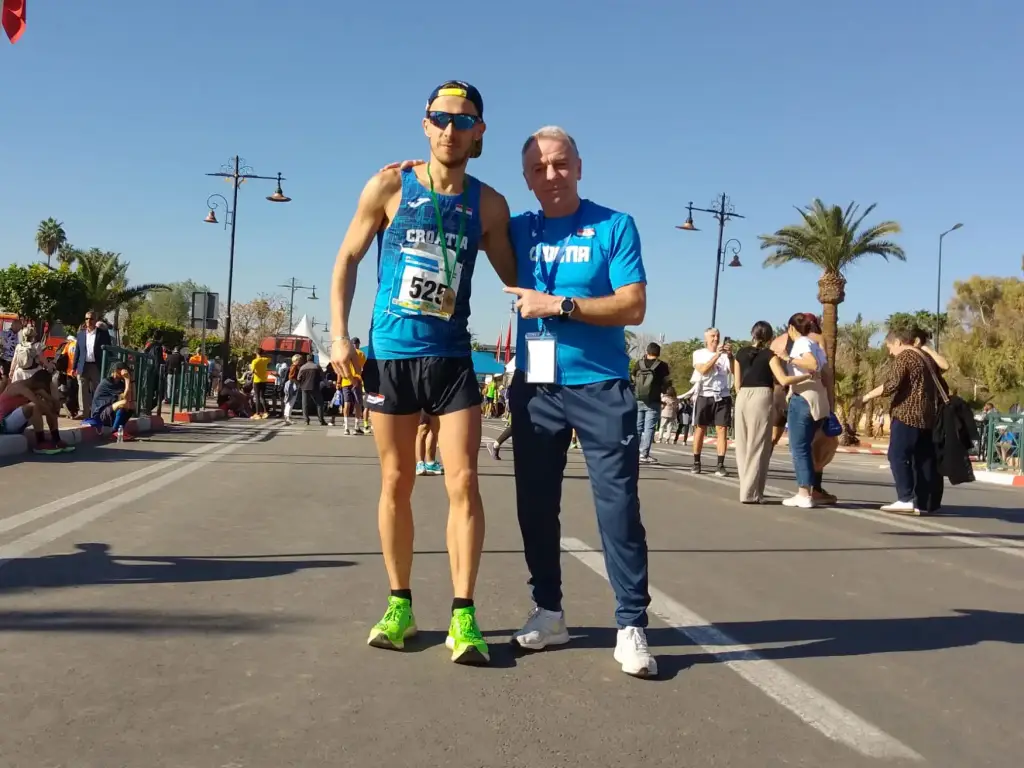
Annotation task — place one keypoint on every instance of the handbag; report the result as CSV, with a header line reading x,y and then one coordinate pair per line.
x,y
832,427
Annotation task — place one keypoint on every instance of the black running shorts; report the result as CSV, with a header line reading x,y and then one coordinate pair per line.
x,y
709,411
436,385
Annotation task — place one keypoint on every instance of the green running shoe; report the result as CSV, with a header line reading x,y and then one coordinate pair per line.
x,y
396,627
464,639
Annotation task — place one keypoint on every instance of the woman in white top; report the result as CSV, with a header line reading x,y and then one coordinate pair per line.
x,y
28,355
808,406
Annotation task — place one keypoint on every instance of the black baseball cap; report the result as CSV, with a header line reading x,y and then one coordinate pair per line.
x,y
461,89
466,91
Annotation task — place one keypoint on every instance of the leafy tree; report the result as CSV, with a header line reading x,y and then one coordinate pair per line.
x,y
636,343
923,319
42,294
984,342
213,342
266,315
679,356
50,237
173,305
140,328
832,239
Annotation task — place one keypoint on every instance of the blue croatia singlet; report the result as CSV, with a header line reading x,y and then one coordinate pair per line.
x,y
408,279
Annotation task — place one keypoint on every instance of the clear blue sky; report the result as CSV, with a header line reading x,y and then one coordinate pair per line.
x,y
113,112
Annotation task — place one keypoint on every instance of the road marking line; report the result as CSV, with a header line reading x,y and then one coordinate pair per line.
x,y
813,707
971,538
43,536
52,507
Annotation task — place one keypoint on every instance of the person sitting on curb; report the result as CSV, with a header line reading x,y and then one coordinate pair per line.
x,y
29,402
232,400
113,402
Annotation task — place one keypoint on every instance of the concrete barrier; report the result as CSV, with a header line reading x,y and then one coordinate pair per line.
x,y
200,417
13,445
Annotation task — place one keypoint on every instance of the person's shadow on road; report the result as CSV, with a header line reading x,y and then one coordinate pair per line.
x,y
94,564
817,638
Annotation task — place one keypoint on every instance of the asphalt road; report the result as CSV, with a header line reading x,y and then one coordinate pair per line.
x,y
202,598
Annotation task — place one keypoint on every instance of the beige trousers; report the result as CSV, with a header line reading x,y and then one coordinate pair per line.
x,y
753,419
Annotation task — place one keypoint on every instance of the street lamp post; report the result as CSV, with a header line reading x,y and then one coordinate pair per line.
x,y
723,213
293,285
938,286
238,172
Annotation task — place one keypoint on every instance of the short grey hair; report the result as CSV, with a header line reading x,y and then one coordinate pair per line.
x,y
550,132
713,332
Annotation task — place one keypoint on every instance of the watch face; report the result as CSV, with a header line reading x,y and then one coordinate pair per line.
x,y
567,306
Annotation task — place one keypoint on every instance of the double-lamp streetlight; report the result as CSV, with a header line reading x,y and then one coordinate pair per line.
x,y
938,286
237,172
723,213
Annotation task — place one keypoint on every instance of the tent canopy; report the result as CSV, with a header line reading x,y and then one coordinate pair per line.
x,y
485,365
304,330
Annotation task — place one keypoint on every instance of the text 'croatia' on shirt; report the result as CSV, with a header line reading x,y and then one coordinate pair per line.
x,y
411,283
589,254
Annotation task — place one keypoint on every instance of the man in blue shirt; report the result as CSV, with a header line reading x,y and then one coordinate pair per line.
x,y
581,281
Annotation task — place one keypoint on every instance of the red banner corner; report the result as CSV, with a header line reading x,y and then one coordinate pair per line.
x,y
13,18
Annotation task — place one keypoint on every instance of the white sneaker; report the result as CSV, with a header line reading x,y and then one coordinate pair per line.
x,y
632,653
799,500
902,507
542,628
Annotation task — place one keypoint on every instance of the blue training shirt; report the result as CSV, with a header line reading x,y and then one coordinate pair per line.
x,y
399,330
589,254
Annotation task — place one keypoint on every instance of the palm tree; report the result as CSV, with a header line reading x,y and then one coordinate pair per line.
x,y
875,362
67,255
50,237
106,281
831,239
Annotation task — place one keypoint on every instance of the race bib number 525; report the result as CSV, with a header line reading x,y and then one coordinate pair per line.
x,y
422,288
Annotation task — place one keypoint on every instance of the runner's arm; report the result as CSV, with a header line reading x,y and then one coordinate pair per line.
x,y
495,240
369,216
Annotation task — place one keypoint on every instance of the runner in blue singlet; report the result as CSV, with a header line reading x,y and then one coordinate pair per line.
x,y
431,221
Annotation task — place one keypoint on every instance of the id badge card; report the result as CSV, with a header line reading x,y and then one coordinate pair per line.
x,y
541,356
421,283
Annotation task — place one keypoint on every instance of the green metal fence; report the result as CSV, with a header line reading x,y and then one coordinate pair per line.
x,y
1002,441
188,388
144,374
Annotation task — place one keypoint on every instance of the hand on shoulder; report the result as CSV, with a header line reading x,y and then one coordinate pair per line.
x,y
385,182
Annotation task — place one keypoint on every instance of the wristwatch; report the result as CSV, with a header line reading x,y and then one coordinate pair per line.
x,y
566,308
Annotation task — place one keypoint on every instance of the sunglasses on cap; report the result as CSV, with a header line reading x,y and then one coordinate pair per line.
x,y
462,122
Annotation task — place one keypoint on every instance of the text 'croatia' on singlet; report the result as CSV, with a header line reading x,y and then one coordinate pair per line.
x,y
409,309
